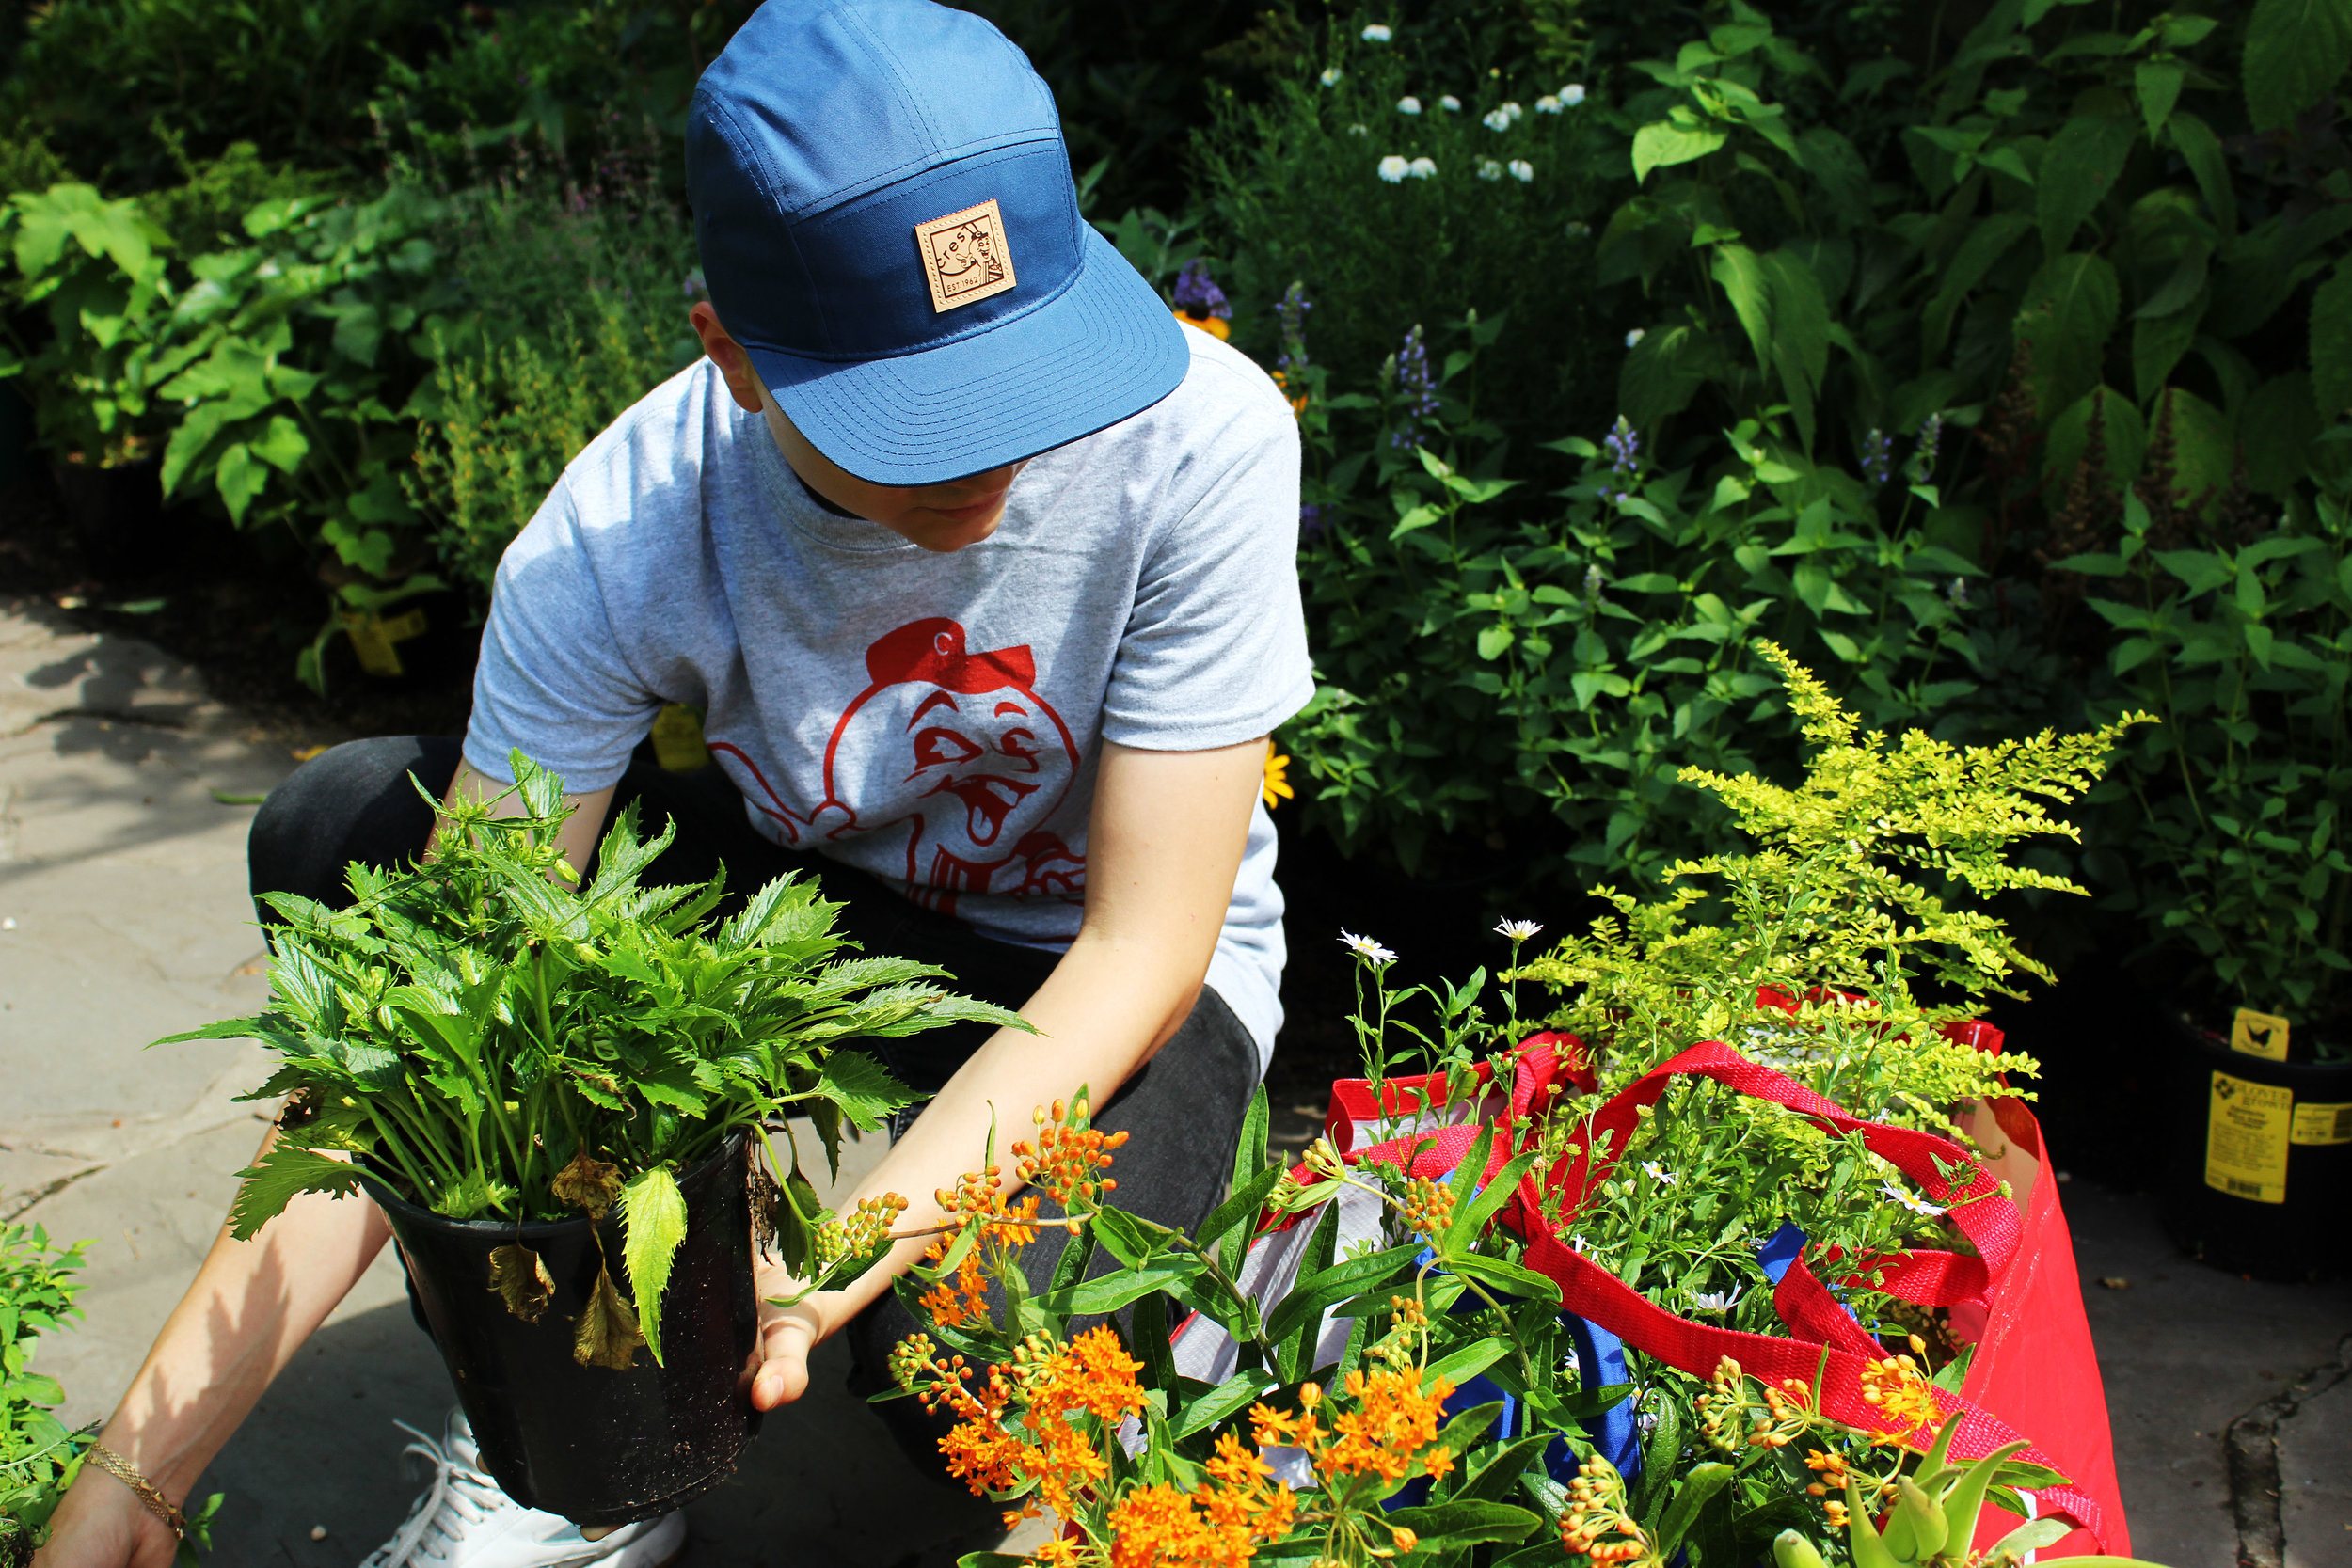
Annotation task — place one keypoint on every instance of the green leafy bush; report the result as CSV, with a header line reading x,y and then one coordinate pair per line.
x,y
2225,816
293,77
1389,218
1990,375
36,1452
574,307
1540,673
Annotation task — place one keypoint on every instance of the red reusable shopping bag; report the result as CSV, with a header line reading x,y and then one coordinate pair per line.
x,y
2034,1373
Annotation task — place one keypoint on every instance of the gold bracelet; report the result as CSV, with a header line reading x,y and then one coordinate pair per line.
x,y
128,1473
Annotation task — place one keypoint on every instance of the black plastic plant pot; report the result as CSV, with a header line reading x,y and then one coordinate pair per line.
x,y
596,1446
2258,1172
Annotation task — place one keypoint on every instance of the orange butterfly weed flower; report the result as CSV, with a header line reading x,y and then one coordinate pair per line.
x,y
1220,1525
1067,1162
1896,1390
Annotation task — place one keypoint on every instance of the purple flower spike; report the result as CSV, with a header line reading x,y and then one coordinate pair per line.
x,y
1416,389
1196,293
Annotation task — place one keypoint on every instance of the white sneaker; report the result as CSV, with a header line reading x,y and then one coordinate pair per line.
x,y
463,1521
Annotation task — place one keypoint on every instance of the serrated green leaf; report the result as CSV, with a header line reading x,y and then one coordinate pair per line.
x,y
275,1181
2296,51
653,1212
2079,171
862,1087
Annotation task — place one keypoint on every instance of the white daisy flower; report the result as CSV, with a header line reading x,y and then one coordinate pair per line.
x,y
1521,170
1422,168
1450,104
1366,949
1408,105
1393,168
1517,930
1659,1173
1546,104
1377,33
1572,95
1714,1301
1489,169
1331,75
1634,337
1918,1205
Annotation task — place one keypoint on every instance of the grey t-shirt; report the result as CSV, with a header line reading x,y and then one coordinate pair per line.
x,y
932,718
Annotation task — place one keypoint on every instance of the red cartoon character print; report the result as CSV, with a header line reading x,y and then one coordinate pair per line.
x,y
957,749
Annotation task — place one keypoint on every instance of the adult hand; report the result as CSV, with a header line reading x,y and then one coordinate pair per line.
x,y
102,1524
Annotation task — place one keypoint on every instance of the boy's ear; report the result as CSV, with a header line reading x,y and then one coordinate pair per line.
x,y
725,353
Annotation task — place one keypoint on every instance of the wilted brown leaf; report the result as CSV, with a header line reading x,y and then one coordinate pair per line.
x,y
588,1184
520,1278
608,1335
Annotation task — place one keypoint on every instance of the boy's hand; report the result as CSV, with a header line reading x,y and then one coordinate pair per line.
x,y
102,1524
786,1335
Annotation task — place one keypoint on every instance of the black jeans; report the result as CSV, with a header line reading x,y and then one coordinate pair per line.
x,y
1183,1109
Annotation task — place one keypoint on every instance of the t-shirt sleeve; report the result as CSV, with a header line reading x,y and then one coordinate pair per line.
x,y
1215,651
552,681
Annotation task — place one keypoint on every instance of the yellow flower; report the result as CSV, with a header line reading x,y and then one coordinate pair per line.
x,y
1277,786
1213,325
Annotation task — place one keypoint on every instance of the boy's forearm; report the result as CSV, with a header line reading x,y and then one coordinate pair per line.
x,y
1102,1013
250,1307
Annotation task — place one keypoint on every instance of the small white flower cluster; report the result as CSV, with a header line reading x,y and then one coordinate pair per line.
x,y
1395,169
1518,168
1377,33
1331,74
1359,129
1572,95
1521,170
1450,104
1408,105
1634,337
1577,228
1491,169
1504,118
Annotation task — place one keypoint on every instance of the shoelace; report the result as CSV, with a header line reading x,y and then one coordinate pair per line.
x,y
460,1495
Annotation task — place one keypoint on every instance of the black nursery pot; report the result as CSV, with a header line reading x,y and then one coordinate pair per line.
x,y
596,1446
2258,1168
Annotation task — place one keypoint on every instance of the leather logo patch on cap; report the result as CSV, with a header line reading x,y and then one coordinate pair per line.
x,y
964,256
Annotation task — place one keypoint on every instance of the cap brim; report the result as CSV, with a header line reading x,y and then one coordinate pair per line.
x,y
1102,350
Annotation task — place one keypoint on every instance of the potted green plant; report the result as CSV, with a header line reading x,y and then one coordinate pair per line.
x,y
563,1097
2239,646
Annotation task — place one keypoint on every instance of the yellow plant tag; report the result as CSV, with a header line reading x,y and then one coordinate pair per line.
x,y
374,635
2262,1034
2322,1124
2245,1139
677,739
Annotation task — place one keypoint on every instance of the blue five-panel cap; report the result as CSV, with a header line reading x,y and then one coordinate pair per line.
x,y
887,223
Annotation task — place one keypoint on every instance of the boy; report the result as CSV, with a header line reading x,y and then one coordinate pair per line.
x,y
982,570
